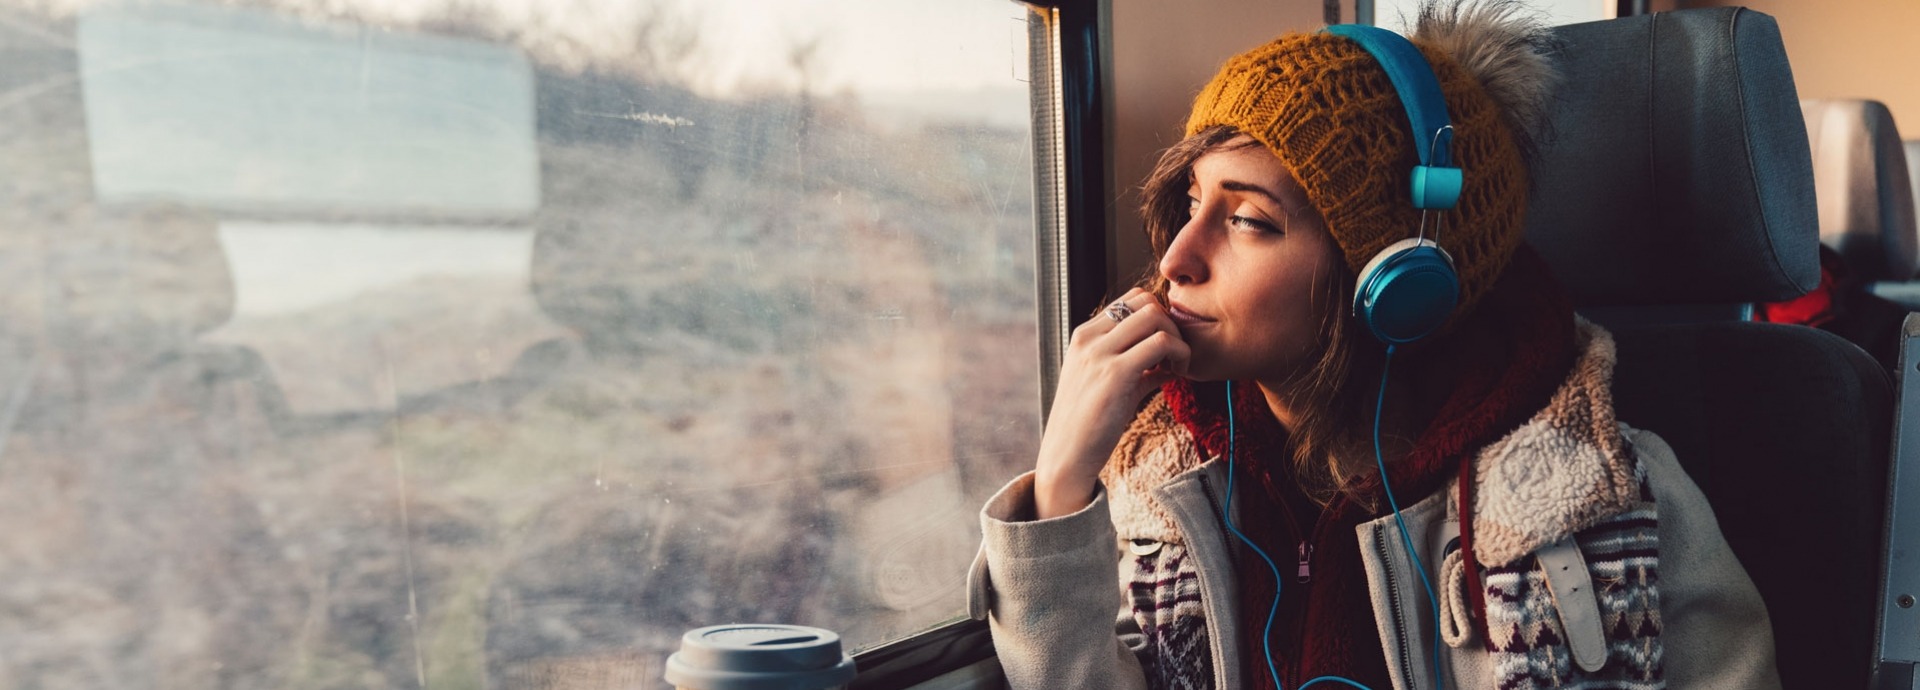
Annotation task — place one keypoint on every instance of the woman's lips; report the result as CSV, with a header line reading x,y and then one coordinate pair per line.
x,y
1185,318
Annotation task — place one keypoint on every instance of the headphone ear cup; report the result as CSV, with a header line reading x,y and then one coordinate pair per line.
x,y
1406,292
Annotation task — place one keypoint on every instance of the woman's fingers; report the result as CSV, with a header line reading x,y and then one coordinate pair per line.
x,y
1177,358
1149,322
1111,360
1136,336
1160,352
1105,321
1143,315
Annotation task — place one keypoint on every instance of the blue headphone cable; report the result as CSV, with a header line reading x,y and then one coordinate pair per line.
x,y
1266,637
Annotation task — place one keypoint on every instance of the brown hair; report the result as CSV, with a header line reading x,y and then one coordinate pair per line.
x,y
1330,440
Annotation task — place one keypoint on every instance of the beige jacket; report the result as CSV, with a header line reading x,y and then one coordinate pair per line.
x,y
1557,503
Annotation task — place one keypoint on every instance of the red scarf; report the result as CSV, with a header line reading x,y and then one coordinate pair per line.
x,y
1816,308
1326,626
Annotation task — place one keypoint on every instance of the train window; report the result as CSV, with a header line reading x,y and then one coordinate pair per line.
x,y
492,343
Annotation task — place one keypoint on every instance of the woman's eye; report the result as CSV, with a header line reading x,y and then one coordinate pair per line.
x,y
1248,223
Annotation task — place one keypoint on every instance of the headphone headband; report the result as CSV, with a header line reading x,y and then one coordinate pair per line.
x,y
1409,290
1436,181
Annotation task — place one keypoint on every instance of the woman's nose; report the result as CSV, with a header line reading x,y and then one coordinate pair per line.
x,y
1185,260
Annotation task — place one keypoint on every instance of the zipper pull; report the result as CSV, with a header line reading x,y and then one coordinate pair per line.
x,y
1306,569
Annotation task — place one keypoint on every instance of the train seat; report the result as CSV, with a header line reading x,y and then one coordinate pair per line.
x,y
1860,177
1912,147
1680,177
1866,227
1913,172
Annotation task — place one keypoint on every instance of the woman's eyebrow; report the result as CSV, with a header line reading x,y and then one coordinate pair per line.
x,y
1238,186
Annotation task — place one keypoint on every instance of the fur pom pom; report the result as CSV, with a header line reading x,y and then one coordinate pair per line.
x,y
1505,46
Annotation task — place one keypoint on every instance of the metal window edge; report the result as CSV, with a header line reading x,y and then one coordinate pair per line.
x,y
1897,637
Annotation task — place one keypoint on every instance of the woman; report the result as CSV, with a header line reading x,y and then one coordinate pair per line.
x,y
1589,558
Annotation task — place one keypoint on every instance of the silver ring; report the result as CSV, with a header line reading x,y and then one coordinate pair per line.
x,y
1118,311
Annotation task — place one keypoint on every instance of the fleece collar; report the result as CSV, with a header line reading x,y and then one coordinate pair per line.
x,y
1563,471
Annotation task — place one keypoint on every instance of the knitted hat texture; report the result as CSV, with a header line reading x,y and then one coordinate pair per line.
x,y
1326,107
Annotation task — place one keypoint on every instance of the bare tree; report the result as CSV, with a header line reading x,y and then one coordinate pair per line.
x,y
803,55
666,43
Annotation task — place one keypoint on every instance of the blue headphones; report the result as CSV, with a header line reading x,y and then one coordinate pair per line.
x,y
1407,290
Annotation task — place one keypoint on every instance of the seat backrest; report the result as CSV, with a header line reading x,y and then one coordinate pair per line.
x,y
1860,177
1693,163
1679,174
1913,175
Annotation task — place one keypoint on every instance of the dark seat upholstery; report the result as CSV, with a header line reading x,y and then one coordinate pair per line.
x,y
1758,414
1680,175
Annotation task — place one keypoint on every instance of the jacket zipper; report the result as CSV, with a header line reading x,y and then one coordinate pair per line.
x,y
1393,604
1303,573
1304,550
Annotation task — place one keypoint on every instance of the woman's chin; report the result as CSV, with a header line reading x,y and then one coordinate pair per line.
x,y
1201,373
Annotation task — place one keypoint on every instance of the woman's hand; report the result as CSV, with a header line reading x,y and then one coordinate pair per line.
x,y
1109,368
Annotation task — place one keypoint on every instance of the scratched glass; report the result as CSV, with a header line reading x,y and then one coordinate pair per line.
x,y
495,343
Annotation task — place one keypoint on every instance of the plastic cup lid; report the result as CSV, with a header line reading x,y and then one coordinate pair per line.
x,y
759,657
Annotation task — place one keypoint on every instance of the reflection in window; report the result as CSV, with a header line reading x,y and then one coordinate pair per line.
x,y
492,344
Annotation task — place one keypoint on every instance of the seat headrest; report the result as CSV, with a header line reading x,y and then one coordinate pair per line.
x,y
1860,176
1913,177
1677,169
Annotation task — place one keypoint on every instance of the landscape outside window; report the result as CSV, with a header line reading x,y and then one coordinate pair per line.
x,y
496,343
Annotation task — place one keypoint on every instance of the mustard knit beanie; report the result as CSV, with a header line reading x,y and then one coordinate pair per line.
x,y
1327,109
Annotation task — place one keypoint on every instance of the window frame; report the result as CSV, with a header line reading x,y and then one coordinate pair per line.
x,y
1069,152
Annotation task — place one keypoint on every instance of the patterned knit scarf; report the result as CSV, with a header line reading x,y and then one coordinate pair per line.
x,y
1325,625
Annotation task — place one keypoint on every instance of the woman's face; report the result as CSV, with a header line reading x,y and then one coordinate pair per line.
x,y
1247,274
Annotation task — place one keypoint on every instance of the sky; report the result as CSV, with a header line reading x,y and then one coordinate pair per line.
x,y
872,45
866,46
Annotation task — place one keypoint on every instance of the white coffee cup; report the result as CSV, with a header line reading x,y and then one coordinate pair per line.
x,y
759,657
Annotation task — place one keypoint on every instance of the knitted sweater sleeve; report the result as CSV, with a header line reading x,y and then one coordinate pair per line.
x,y
1049,592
